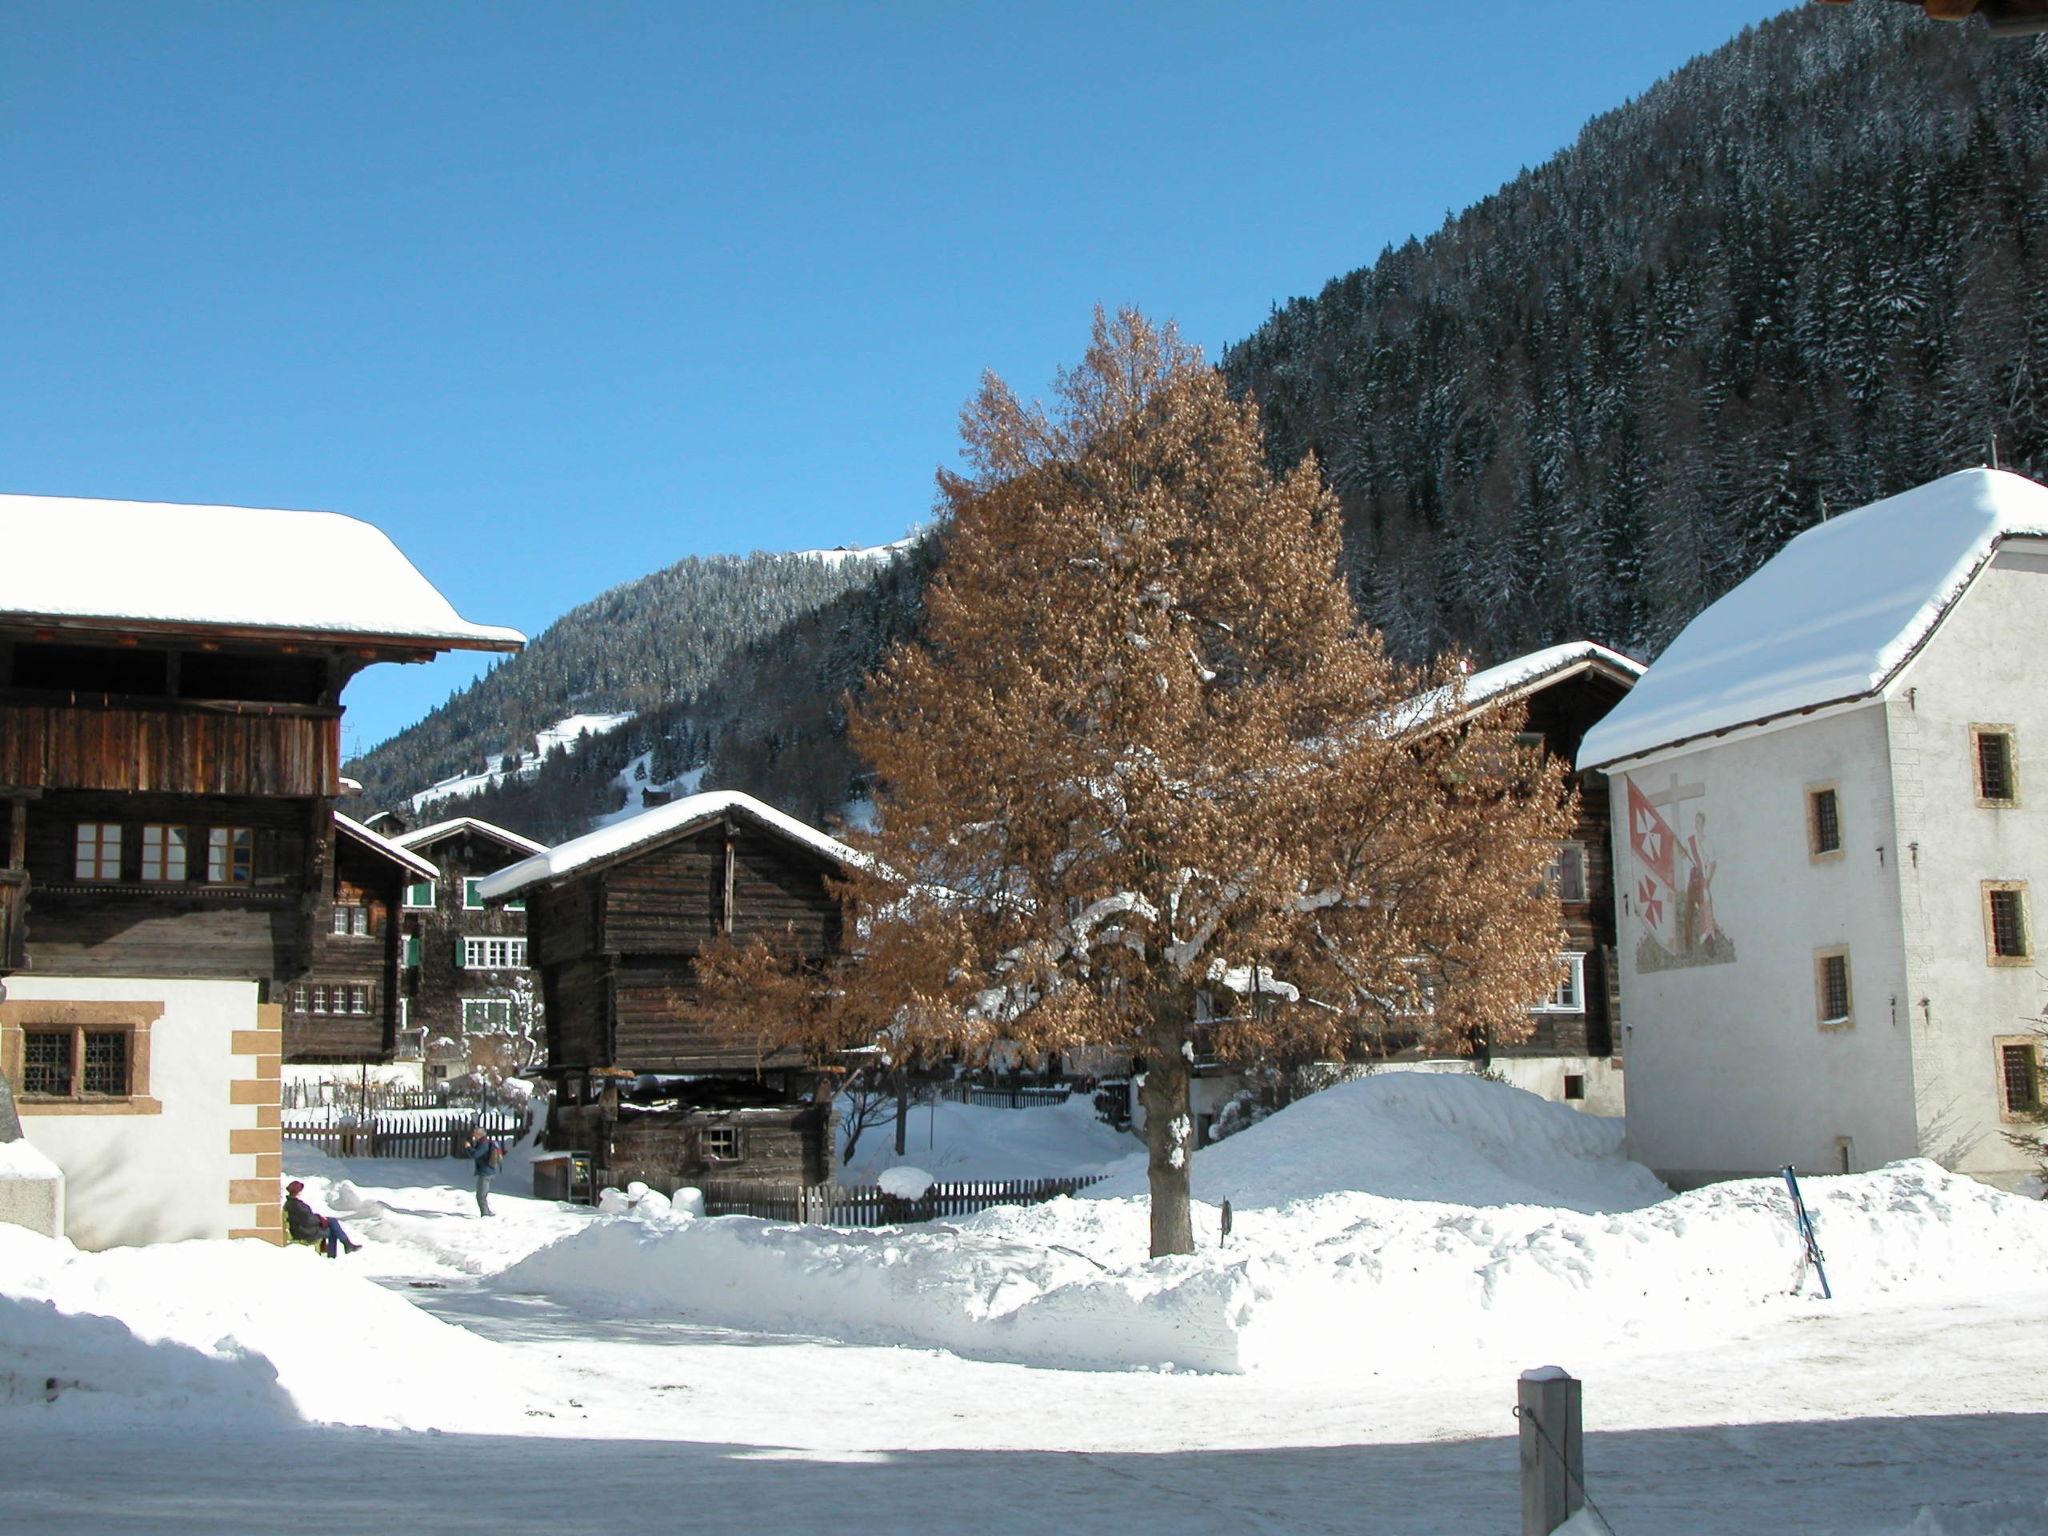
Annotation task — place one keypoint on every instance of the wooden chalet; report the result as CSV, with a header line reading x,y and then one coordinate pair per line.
x,y
649,1081
170,716
1573,1054
349,1007
467,984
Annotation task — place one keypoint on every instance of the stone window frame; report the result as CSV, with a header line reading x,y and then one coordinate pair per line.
x,y
1978,731
1815,853
1992,954
131,1018
2000,1045
1847,1018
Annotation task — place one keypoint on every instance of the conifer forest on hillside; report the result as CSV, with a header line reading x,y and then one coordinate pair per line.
x,y
1804,272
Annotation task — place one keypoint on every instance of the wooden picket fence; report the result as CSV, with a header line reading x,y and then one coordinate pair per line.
x,y
1028,1096
393,1136
868,1205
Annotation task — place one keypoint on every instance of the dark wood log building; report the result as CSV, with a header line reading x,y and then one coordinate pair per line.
x,y
467,975
170,711
649,1080
349,1006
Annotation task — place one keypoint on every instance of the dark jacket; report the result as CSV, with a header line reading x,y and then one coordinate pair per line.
x,y
487,1155
304,1223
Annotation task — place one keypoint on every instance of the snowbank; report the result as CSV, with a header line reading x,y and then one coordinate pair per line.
x,y
1419,1136
1485,1239
967,1141
237,1330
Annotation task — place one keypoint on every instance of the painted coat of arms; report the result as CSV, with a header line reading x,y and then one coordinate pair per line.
x,y
1673,895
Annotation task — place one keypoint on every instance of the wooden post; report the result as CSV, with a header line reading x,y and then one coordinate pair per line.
x,y
1553,1463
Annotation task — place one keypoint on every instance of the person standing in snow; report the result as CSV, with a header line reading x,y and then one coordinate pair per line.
x,y
488,1157
307,1225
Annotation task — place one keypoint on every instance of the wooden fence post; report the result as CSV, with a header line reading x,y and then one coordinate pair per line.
x,y
1547,1404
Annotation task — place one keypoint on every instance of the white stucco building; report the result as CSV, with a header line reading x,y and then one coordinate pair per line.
x,y
1829,830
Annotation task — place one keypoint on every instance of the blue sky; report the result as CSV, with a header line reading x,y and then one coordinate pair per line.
x,y
557,295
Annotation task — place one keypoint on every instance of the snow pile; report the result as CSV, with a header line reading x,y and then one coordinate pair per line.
x,y
905,1182
968,1141
1462,1253
237,1330
418,1220
21,1160
1419,1136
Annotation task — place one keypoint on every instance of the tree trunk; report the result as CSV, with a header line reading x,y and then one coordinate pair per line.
x,y
902,1112
1169,1141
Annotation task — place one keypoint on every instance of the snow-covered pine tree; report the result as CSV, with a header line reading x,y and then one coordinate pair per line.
x,y
1144,751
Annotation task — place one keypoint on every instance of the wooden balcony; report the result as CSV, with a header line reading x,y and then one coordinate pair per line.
x,y
184,747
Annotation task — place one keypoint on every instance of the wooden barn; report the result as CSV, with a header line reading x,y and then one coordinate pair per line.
x,y
349,1008
170,724
651,1082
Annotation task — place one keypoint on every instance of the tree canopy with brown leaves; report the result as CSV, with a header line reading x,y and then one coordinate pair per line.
x,y
1145,752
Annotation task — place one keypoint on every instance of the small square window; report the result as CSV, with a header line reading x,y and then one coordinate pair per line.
x,y
97,851
2005,922
1997,770
1831,988
163,853
46,1063
1574,1085
1823,821
419,895
720,1143
358,997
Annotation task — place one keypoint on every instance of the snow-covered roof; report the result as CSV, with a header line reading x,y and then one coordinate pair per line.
x,y
377,842
145,563
1552,664
422,837
675,818
1828,619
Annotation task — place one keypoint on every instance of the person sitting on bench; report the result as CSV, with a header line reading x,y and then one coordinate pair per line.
x,y
307,1225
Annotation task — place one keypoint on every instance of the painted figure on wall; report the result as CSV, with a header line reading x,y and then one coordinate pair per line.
x,y
1674,888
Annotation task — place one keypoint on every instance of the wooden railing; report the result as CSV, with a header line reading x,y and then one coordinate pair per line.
x,y
834,1205
1026,1096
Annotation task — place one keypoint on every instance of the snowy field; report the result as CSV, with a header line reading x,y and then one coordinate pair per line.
x,y
1403,1247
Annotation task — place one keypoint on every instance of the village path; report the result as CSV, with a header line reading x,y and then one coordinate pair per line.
x,y
1843,1423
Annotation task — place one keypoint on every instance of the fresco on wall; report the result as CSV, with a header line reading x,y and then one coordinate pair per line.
x,y
1672,902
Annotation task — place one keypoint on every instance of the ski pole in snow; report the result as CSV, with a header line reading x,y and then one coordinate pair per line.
x,y
1805,1224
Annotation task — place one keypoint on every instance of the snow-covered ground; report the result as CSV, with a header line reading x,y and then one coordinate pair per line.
x,y
1361,1345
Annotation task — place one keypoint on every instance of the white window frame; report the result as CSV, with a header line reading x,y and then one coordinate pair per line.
x,y
472,900
1569,995
421,906
477,953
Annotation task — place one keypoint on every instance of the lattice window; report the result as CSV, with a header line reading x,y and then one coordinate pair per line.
x,y
46,1063
163,852
1570,994
1823,822
2019,1077
106,1062
358,997
1831,985
230,855
1997,778
486,1013
2005,921
1568,872
97,852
